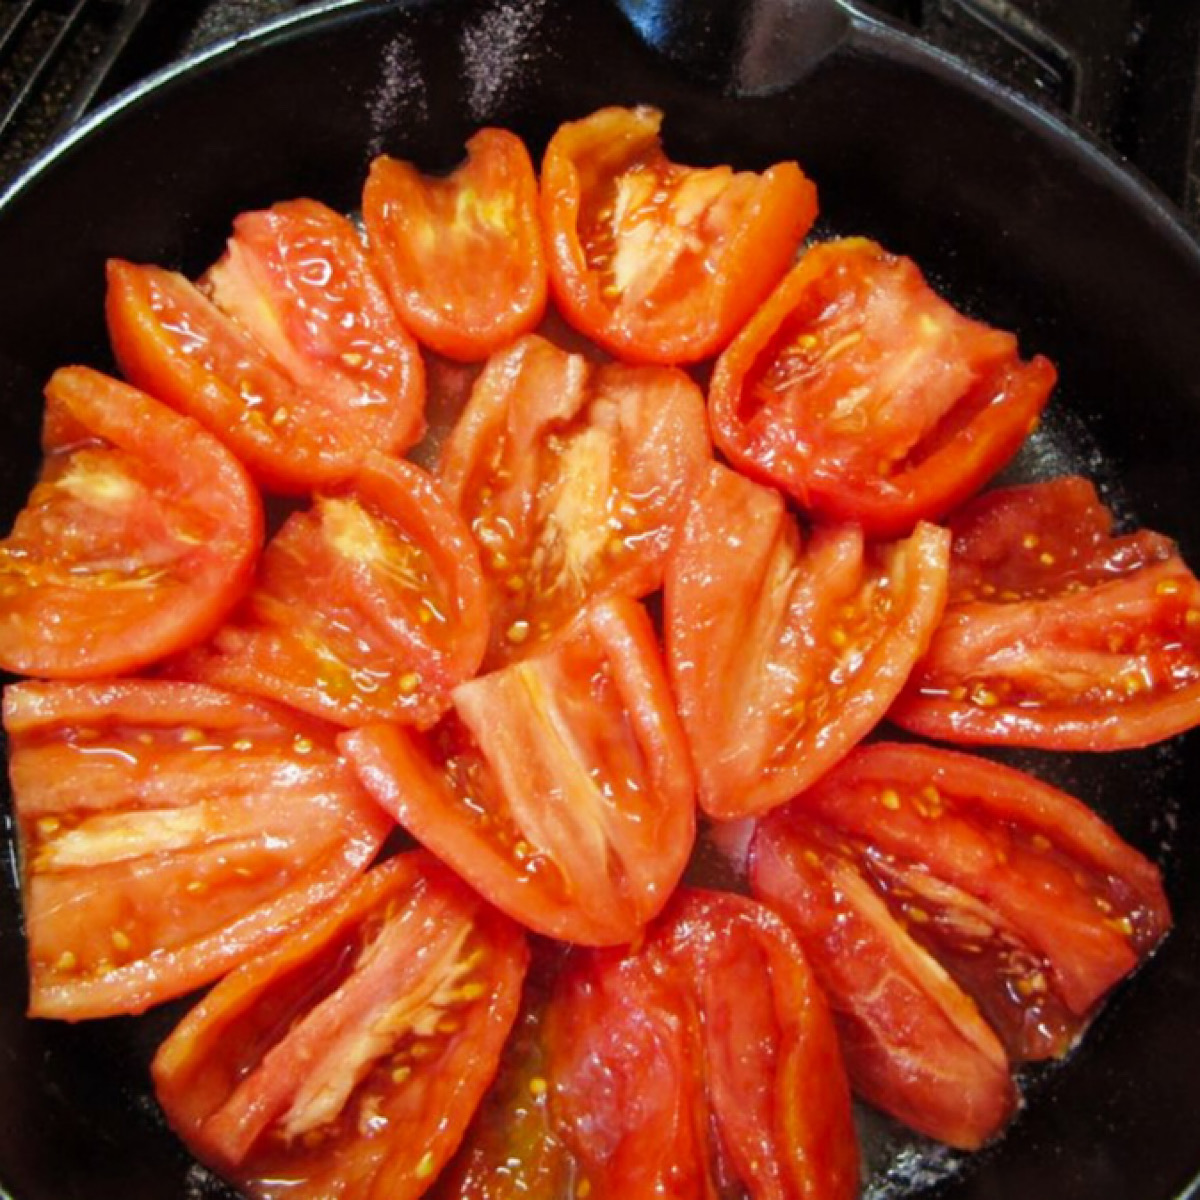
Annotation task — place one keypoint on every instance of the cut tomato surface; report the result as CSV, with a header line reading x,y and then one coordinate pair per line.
x,y
908,867
573,478
1058,633
461,256
169,832
867,397
288,350
140,535
701,1063
655,261
348,1061
560,787
368,606
782,655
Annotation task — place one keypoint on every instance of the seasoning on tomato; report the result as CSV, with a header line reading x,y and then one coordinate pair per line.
x,y
168,832
1059,634
573,478
807,645
138,538
288,350
559,787
933,891
861,393
461,256
702,1062
369,606
655,261
348,1060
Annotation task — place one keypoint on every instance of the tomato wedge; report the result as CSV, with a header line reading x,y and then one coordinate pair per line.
x,y
368,606
655,261
1059,634
783,656
702,1063
559,787
867,397
573,478
909,872
139,537
168,832
348,1060
461,256
289,350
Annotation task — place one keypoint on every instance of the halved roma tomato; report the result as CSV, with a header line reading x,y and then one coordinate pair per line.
x,y
784,656
348,1060
368,606
909,872
1057,633
169,832
138,538
559,787
867,397
655,261
702,1063
461,256
573,478
289,350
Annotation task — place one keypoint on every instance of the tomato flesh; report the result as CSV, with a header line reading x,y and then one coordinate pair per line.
x,y
139,537
808,646
867,397
655,261
1059,634
349,1060
461,256
573,479
559,787
168,832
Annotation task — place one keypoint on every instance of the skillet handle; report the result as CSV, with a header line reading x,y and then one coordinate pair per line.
x,y
747,47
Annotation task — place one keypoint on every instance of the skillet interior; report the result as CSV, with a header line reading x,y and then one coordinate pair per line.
x,y
1017,218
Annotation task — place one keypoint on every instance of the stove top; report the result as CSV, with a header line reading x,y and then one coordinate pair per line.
x,y
1129,70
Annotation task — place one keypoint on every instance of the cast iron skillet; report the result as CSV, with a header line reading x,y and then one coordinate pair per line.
x,y
1018,217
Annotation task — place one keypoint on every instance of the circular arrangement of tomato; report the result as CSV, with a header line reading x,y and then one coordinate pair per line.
x,y
227,734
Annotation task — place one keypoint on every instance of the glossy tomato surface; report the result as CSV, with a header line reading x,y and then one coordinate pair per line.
x,y
348,1061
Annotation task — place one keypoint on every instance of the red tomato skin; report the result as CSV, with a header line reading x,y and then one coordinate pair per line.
x,y
425,634
178,911
924,470
749,613
194,540
574,478
547,847
702,1060
461,257
237,1059
915,1044
581,159
303,374
1058,635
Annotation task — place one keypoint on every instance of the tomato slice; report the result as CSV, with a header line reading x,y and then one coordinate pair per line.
x,y
655,261
559,787
289,350
783,656
867,397
368,606
461,256
906,854
702,1063
1059,634
573,479
138,538
168,832
348,1060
